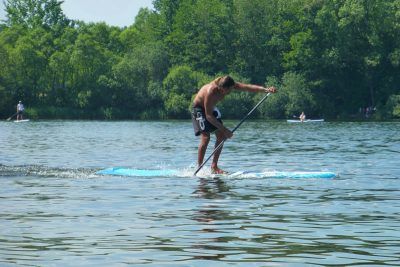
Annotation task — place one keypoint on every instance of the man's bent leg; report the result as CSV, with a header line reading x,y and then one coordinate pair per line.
x,y
204,140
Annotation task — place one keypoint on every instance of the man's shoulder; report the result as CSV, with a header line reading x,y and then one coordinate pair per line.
x,y
208,88
212,87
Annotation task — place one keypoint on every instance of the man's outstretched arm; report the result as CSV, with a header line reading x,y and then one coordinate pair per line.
x,y
254,88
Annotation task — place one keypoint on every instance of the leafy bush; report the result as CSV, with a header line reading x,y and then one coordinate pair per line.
x,y
393,106
176,106
236,105
179,86
298,93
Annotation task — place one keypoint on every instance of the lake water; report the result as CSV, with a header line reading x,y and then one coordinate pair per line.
x,y
55,211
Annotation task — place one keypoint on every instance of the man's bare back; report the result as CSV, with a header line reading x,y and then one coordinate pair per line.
x,y
209,91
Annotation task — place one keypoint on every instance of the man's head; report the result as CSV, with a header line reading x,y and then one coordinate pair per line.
x,y
226,82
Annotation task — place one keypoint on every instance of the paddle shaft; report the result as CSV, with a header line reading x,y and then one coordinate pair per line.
x,y
12,116
234,129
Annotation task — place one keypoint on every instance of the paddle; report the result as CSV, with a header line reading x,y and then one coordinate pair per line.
x,y
12,116
234,129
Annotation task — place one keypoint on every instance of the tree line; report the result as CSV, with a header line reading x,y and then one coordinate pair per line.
x,y
329,58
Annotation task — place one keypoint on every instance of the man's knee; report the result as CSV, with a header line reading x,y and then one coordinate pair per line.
x,y
219,136
205,139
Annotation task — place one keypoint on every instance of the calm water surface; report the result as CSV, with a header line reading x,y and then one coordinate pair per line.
x,y
54,211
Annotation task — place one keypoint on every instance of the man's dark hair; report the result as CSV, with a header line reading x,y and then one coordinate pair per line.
x,y
226,82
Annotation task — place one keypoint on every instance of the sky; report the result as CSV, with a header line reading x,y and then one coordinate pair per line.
x,y
113,12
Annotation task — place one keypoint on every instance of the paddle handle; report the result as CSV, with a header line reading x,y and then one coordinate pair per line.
x,y
234,129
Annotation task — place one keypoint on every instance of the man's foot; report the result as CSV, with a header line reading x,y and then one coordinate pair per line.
x,y
217,170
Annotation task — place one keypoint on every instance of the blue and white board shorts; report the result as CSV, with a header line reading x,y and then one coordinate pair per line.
x,y
201,124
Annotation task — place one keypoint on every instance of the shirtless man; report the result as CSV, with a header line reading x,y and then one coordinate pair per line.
x,y
206,117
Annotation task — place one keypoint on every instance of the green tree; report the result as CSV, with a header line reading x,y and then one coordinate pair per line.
x,y
202,36
35,13
255,53
393,106
327,58
167,10
136,77
61,69
299,95
28,61
179,86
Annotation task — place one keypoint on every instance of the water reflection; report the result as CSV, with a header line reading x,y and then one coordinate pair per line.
x,y
210,215
211,188
211,211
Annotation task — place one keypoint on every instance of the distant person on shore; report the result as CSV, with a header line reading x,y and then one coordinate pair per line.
x,y
206,117
302,117
20,111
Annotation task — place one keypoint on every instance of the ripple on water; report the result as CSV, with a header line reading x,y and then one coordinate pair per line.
x,y
55,211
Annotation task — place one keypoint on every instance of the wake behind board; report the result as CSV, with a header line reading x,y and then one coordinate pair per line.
x,y
22,120
240,174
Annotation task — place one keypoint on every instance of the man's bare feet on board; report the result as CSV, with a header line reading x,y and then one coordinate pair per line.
x,y
216,170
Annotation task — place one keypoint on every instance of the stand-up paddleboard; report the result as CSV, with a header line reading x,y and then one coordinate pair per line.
x,y
138,172
241,174
22,120
320,120
279,174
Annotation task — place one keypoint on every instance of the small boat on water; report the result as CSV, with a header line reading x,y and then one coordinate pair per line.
x,y
319,120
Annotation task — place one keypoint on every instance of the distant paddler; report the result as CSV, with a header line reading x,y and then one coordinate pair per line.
x,y
20,111
206,117
302,117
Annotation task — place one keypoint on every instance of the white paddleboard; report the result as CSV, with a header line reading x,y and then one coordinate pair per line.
x,y
22,120
119,171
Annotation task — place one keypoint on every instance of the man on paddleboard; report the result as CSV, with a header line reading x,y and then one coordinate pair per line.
x,y
20,111
206,117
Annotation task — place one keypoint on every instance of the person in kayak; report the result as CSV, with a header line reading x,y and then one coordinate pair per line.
x,y
206,118
302,117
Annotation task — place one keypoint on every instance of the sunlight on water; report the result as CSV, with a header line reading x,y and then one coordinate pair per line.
x,y
56,211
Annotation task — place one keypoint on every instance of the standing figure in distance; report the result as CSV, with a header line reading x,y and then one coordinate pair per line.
x,y
20,111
